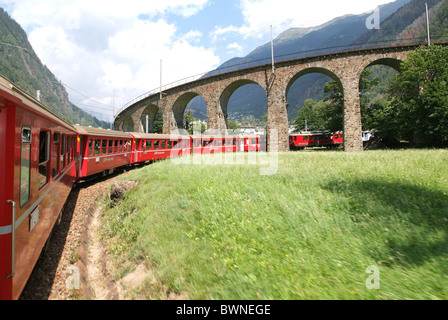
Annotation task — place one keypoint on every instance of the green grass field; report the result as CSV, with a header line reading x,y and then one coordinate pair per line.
x,y
308,232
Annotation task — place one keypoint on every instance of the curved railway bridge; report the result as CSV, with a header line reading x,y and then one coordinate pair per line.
x,y
342,64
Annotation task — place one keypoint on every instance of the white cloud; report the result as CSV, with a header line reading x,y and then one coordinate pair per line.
x,y
235,48
104,47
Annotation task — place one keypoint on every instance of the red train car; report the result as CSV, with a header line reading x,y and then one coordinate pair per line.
x,y
337,139
214,144
315,139
151,147
37,173
102,151
218,144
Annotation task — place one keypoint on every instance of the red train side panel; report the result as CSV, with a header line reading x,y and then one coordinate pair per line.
x,y
38,173
151,147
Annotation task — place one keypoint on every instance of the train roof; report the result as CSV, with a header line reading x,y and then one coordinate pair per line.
x,y
158,136
17,95
214,136
102,132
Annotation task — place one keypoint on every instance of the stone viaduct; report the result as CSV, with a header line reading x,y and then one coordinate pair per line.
x,y
344,67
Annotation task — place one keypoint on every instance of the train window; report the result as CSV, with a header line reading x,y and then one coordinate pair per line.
x,y
67,149
44,157
55,153
97,147
104,149
72,146
63,145
25,167
156,144
90,147
305,138
163,144
170,144
111,146
116,146
149,145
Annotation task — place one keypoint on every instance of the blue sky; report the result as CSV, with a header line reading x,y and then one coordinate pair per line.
x,y
110,50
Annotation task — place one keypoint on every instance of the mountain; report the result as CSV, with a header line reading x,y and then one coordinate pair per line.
x,y
399,19
21,65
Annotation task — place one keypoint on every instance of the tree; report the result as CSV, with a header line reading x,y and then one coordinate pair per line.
x,y
158,123
420,97
233,125
310,116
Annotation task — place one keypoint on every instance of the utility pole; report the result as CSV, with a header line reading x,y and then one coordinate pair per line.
x,y
147,124
113,110
161,96
427,25
272,52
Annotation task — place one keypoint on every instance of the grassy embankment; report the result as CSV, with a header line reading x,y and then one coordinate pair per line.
x,y
308,232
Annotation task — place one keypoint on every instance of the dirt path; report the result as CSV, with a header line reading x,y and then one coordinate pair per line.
x,y
75,265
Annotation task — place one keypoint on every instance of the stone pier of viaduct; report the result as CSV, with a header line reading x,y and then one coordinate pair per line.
x,y
343,67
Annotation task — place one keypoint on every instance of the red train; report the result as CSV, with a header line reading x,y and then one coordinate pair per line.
x,y
42,157
307,139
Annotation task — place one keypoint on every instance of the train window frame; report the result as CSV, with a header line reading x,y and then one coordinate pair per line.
x,y
149,145
44,158
156,144
62,150
25,166
97,147
72,148
104,146
163,144
55,161
110,148
90,147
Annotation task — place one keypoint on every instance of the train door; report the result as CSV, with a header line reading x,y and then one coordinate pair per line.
x,y
7,201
